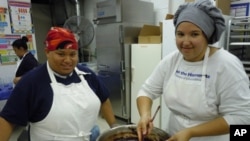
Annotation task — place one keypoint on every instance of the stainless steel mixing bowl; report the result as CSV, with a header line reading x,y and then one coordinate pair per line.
x,y
128,133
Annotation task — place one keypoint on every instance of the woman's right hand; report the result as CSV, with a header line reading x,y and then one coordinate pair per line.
x,y
16,79
144,127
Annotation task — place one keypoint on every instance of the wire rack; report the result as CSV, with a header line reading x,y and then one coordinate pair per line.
x,y
238,40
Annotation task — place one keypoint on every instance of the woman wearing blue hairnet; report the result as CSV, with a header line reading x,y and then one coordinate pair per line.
x,y
205,88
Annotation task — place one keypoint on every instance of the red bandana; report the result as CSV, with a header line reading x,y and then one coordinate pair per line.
x,y
60,38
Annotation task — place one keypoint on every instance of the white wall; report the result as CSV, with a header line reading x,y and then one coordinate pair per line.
x,y
163,7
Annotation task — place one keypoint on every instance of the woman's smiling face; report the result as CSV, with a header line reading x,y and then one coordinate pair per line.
x,y
191,41
62,61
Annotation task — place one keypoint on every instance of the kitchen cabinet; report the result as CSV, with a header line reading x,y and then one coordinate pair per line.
x,y
144,58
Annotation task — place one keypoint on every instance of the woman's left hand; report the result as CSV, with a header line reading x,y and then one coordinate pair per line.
x,y
183,135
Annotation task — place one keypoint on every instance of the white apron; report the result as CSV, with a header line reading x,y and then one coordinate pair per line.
x,y
74,112
188,103
18,62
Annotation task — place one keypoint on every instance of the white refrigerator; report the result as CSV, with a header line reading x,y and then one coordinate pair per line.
x,y
144,58
168,45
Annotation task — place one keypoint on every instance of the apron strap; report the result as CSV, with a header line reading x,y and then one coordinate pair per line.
x,y
204,70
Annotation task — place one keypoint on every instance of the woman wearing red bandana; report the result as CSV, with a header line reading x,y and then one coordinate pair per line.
x,y
60,100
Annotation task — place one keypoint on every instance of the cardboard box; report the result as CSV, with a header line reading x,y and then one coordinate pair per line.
x,y
169,16
150,34
224,5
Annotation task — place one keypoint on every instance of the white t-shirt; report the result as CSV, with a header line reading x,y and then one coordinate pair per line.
x,y
227,88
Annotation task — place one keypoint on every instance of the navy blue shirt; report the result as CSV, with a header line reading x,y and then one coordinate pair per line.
x,y
28,63
32,97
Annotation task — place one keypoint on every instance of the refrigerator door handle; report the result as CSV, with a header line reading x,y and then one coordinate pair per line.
x,y
121,33
123,99
123,70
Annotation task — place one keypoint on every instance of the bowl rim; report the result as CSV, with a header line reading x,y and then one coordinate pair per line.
x,y
106,132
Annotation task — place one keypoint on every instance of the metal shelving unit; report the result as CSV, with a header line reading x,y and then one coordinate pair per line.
x,y
238,40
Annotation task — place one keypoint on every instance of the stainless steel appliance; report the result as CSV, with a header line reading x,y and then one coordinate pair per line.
x,y
118,23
